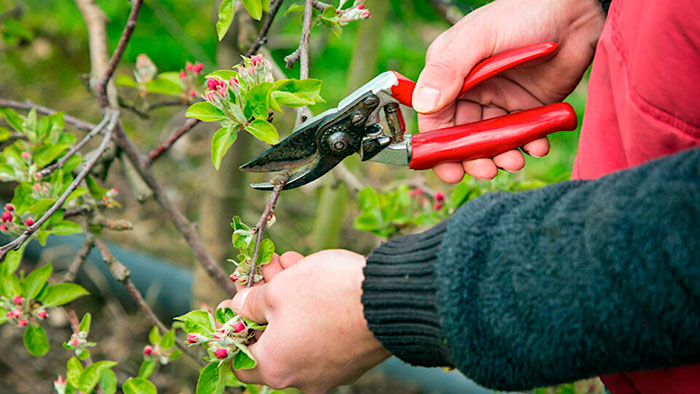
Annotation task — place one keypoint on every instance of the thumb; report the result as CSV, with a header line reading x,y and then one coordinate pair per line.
x,y
251,303
448,62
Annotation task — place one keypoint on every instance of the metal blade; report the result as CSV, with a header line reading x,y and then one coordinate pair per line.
x,y
294,151
314,171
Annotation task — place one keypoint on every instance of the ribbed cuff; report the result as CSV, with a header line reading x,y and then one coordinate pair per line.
x,y
398,295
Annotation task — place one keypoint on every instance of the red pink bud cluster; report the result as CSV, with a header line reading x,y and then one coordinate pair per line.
x,y
19,311
60,385
108,198
145,69
8,222
418,194
223,343
358,11
190,79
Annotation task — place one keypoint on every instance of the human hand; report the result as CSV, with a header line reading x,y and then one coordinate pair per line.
x,y
499,26
317,337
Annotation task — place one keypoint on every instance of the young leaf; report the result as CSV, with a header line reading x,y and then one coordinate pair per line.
x,y
205,112
267,248
257,101
254,8
126,80
84,354
66,227
147,368
36,279
154,336
222,74
73,370
368,199
221,142
10,286
91,375
85,323
48,153
264,131
226,12
208,382
243,359
35,340
168,340
62,293
175,354
294,8
138,386
197,322
224,314
296,93
14,120
108,382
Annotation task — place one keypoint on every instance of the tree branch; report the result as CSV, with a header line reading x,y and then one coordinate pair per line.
x,y
302,52
159,150
319,5
118,52
262,36
114,116
80,258
279,181
27,105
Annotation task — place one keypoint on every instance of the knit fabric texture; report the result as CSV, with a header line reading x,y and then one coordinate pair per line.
x,y
577,279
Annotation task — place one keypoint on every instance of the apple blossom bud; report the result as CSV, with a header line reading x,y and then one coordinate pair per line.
x,y
3,227
193,93
22,322
155,351
10,315
256,60
192,338
439,196
233,82
148,350
221,353
361,7
74,342
438,206
37,186
233,277
216,336
183,75
17,312
18,300
29,221
42,315
26,155
238,327
212,83
60,380
190,67
6,216
9,207
197,68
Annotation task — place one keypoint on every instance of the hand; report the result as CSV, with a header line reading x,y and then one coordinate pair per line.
x,y
317,337
499,26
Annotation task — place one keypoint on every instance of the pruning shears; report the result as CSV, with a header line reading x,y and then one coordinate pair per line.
x,y
323,141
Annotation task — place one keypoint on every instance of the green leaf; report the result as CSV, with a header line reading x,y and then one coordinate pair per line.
x,y
164,85
94,188
205,112
139,386
84,354
222,74
257,101
254,8
48,153
91,375
10,286
66,227
264,131
147,368
197,322
226,12
73,370
221,142
154,336
460,195
7,172
108,382
126,80
35,340
367,221
36,279
243,359
224,314
4,134
294,8
208,382
368,199
177,353
14,120
62,293
297,93
12,260
168,340
267,248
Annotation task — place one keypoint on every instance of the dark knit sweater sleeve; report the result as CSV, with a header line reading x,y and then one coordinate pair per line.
x,y
576,279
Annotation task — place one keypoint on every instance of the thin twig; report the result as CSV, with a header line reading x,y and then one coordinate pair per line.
x,y
319,5
301,54
62,161
80,258
262,36
174,215
279,181
114,116
159,150
81,210
118,52
27,105
115,225
122,274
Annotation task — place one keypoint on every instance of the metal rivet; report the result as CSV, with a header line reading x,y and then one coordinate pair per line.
x,y
358,118
371,101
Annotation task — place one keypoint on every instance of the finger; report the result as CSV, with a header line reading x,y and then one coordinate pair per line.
x,y
252,303
484,169
449,172
537,148
511,161
290,258
272,268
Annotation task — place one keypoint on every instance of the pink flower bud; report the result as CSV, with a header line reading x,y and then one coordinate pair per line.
x,y
10,315
29,221
60,380
74,342
22,322
17,312
198,67
9,207
212,83
233,277
238,327
18,300
42,315
365,14
6,216
148,350
192,338
221,353
3,227
256,60
155,351
244,280
216,336
439,196
438,206
26,155
189,67
233,82
183,75
361,7
193,93
37,186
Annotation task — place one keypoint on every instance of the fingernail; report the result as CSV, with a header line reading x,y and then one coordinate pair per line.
x,y
425,99
239,300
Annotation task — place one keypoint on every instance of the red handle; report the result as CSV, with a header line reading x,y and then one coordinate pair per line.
x,y
487,68
490,137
